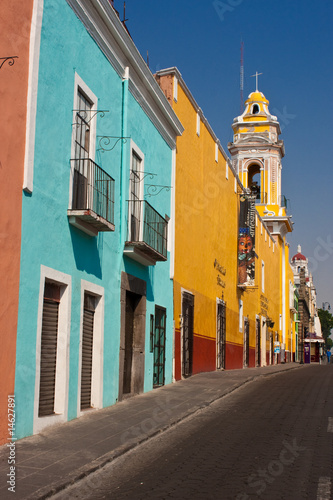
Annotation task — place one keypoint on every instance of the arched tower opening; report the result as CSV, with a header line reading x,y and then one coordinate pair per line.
x,y
254,180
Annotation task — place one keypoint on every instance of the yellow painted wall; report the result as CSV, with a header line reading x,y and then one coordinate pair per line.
x,y
206,222
206,231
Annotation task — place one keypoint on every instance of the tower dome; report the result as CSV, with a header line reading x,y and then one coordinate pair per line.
x,y
298,255
256,108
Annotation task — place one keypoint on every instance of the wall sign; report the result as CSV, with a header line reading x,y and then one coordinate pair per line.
x,y
246,240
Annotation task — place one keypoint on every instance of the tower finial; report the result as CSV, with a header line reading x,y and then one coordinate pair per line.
x,y
256,75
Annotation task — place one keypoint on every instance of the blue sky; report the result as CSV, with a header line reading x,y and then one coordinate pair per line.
x,y
291,43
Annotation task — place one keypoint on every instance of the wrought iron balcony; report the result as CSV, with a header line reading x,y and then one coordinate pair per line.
x,y
147,234
92,207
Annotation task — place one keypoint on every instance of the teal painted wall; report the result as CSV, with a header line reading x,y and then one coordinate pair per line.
x,y
47,237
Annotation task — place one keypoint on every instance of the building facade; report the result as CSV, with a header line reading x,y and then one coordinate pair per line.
x,y
141,253
96,306
311,341
14,73
227,292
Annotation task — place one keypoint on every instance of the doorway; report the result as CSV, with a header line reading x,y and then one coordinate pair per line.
x,y
132,336
159,346
258,343
187,347
220,336
132,301
246,353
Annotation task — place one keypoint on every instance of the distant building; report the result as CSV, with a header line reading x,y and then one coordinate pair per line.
x,y
309,326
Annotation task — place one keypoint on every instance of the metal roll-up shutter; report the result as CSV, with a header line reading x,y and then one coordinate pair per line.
x,y
87,352
48,357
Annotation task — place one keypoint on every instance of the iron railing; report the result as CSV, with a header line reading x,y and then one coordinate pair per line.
x,y
93,189
147,226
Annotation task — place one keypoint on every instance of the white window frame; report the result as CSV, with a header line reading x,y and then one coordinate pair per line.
x,y
240,305
216,152
98,346
62,362
79,84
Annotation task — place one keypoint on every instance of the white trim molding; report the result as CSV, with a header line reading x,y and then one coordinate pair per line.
x,y
34,49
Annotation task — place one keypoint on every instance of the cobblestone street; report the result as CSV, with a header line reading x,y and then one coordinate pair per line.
x,y
270,439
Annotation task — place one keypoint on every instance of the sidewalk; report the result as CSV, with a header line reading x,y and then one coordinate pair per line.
x,y
61,455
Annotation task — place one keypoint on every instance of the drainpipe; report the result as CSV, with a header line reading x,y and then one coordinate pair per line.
x,y
123,168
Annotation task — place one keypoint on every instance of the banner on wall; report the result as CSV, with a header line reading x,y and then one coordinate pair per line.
x,y
246,240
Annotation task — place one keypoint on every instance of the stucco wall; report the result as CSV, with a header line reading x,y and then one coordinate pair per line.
x,y
15,32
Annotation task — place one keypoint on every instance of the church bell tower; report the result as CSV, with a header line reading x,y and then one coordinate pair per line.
x,y
256,153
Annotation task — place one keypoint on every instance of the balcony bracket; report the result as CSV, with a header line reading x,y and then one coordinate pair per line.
x,y
155,189
109,142
142,175
10,60
86,117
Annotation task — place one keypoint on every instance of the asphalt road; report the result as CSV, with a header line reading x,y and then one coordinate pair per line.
x,y
271,439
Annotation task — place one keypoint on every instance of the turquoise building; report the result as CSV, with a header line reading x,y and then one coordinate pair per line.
x,y
96,304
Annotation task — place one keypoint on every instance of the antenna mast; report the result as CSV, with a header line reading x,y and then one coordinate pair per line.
x,y
242,78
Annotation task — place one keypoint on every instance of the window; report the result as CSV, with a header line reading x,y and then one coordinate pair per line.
x,y
255,109
240,315
91,199
136,194
82,174
262,276
147,229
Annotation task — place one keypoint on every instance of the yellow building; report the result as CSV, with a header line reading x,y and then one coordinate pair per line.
x,y
220,323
